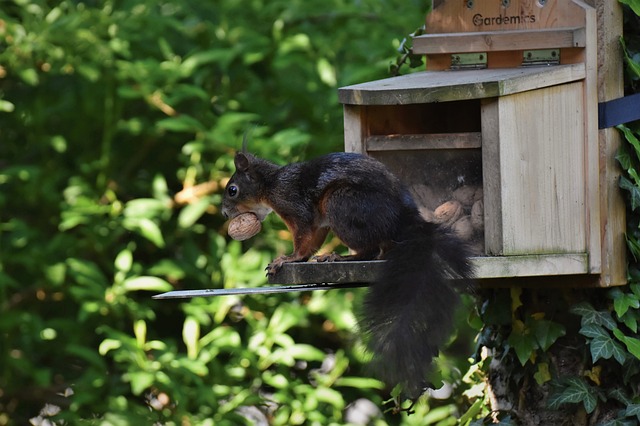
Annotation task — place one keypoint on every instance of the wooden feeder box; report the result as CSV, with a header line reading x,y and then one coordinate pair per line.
x,y
504,115
498,138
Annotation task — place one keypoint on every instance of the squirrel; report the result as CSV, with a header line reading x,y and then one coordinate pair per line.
x,y
407,313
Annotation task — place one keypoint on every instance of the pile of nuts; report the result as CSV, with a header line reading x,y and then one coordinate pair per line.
x,y
462,212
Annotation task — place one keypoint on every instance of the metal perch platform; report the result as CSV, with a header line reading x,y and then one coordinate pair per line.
x,y
303,276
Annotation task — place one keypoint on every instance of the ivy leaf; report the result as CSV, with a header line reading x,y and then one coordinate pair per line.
x,y
635,289
632,344
618,422
593,330
623,301
606,347
634,246
633,410
591,316
630,370
516,292
523,343
547,332
619,395
633,4
631,138
577,390
543,375
630,319
634,191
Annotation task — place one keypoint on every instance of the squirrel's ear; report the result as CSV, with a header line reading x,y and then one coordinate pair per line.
x,y
241,161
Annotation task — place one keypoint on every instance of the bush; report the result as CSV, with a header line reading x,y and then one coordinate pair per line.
x,y
118,121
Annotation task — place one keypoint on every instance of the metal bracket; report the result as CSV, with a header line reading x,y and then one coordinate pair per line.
x,y
469,61
541,57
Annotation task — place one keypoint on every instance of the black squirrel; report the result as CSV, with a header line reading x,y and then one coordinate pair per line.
x,y
407,314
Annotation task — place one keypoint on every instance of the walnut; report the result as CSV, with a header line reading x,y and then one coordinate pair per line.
x,y
477,215
426,213
244,226
462,228
448,213
465,195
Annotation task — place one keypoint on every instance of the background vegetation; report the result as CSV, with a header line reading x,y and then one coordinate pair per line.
x,y
118,121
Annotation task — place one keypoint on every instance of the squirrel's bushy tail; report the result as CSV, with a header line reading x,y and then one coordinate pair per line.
x,y
408,313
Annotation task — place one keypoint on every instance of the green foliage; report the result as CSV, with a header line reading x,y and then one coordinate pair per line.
x,y
118,121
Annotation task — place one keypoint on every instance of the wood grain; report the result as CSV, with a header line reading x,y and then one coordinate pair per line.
x,y
437,86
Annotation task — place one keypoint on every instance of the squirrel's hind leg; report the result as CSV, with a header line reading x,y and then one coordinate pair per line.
x,y
335,257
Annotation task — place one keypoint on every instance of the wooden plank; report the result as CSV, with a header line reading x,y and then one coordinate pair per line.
x,y
484,267
610,86
441,86
462,16
426,141
492,41
327,272
354,128
530,265
592,153
491,177
542,171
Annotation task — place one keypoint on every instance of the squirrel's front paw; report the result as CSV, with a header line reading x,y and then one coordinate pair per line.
x,y
275,266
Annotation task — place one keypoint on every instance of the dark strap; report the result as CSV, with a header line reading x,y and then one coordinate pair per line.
x,y
618,111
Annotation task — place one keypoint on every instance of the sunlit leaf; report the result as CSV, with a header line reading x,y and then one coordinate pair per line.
x,y
146,283
190,336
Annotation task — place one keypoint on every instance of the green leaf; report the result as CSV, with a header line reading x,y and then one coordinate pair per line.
x,y
631,138
140,381
145,228
86,273
606,347
630,319
633,410
124,260
146,283
108,345
633,190
6,106
546,332
192,212
191,336
542,375
620,395
181,123
144,208
633,4
632,344
593,330
330,396
623,301
576,390
590,315
523,343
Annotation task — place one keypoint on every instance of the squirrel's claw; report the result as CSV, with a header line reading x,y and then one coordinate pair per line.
x,y
276,264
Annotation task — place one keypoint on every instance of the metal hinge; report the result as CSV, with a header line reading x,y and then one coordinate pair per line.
x,y
468,61
541,57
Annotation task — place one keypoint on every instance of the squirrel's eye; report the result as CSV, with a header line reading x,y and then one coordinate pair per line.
x,y
232,190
